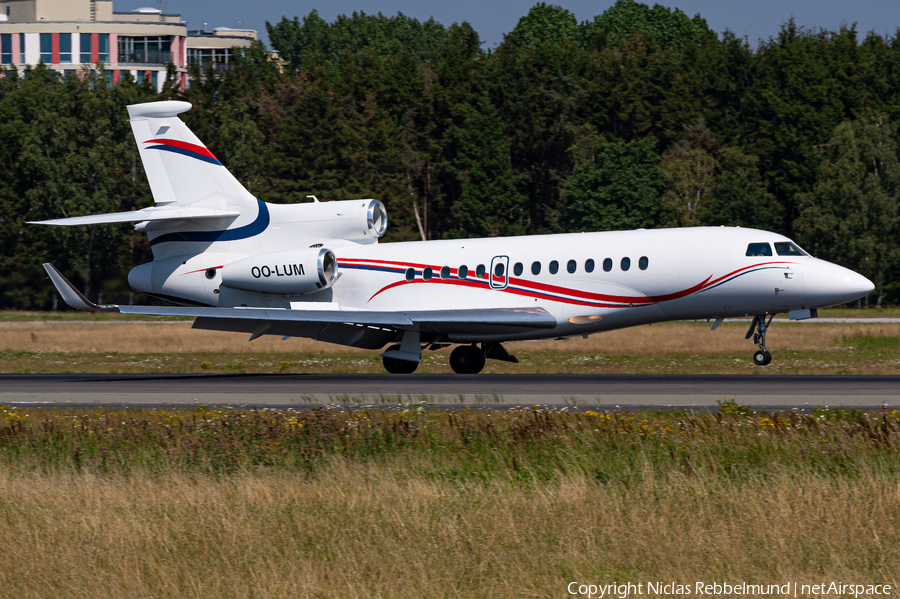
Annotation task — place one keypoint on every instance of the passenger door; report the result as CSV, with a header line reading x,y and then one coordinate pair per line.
x,y
499,271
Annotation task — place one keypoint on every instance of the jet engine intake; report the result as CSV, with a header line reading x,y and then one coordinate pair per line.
x,y
289,273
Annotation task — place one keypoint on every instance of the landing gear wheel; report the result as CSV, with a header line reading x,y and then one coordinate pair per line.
x,y
762,357
395,366
467,359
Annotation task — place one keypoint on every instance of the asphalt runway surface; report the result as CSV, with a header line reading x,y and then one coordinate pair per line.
x,y
773,392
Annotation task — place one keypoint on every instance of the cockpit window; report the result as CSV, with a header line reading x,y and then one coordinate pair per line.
x,y
786,248
759,249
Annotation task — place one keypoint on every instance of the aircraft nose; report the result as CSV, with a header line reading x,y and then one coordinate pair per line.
x,y
828,284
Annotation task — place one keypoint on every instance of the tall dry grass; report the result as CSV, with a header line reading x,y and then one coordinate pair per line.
x,y
372,530
134,338
426,503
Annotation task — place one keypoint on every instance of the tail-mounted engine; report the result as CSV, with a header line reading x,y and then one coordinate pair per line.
x,y
292,272
360,221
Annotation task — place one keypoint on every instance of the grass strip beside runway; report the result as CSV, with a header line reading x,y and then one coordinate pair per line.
x,y
422,502
673,348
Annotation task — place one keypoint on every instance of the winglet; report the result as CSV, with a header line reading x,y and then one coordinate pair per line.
x,y
72,296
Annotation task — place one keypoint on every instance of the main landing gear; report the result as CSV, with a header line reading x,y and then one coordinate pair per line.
x,y
464,359
398,366
470,359
762,357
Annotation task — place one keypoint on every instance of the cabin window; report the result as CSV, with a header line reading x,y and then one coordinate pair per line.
x,y
607,265
759,249
643,263
498,269
480,270
571,265
535,268
426,273
589,265
786,248
410,274
518,268
463,272
554,267
626,263
445,273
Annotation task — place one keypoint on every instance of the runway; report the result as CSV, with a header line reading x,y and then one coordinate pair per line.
x,y
804,392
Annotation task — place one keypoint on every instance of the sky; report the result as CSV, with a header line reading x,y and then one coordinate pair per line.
x,y
757,19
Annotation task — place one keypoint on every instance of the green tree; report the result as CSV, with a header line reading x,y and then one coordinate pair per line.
x,y
690,170
619,189
669,27
489,203
331,43
544,23
851,216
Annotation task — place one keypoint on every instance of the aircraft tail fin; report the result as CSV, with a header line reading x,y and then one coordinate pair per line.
x,y
181,170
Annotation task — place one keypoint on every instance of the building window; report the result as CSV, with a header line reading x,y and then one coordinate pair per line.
x,y
103,48
47,48
21,48
65,48
85,48
221,57
145,50
6,48
154,80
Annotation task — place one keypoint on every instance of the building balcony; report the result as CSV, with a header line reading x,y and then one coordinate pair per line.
x,y
146,58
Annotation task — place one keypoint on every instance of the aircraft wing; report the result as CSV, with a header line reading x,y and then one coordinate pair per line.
x,y
159,212
359,328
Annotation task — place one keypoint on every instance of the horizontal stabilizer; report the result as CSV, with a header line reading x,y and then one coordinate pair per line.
x,y
159,212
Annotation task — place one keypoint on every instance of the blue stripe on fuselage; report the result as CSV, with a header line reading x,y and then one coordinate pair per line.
x,y
254,228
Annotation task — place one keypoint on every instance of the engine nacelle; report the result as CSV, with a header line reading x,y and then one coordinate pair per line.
x,y
361,221
292,272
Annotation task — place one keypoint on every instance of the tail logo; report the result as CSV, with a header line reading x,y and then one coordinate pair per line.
x,y
184,148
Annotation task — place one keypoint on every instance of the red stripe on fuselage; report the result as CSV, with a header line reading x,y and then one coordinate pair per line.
x,y
588,298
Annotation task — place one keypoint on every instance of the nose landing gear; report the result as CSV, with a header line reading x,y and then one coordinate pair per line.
x,y
760,324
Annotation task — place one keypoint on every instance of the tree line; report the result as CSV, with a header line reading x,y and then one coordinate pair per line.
x,y
641,117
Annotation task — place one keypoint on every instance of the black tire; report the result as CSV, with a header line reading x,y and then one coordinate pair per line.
x,y
761,358
466,359
395,366
768,358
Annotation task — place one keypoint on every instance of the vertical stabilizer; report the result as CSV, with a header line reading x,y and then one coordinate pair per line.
x,y
180,169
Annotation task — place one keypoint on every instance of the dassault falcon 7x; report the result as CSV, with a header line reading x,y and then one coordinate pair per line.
x,y
316,269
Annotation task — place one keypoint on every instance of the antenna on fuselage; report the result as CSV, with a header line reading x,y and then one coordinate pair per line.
x,y
315,199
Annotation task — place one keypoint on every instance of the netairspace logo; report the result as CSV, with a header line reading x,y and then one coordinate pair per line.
x,y
721,589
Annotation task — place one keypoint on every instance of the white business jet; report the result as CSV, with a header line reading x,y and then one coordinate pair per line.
x,y
316,269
